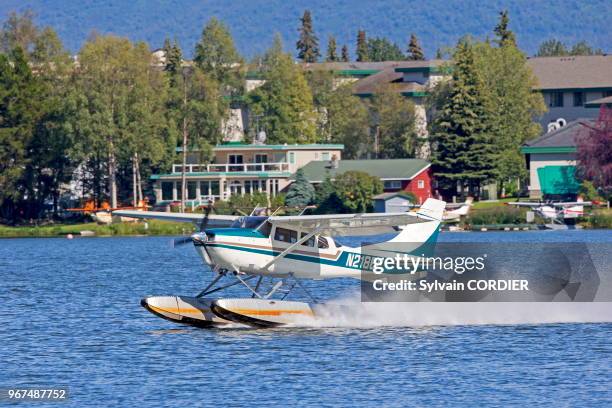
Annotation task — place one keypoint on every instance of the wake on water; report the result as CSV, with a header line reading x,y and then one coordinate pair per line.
x,y
351,312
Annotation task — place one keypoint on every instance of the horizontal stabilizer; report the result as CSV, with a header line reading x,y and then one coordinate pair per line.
x,y
432,208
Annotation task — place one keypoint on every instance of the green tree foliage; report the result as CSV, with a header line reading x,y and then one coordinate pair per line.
x,y
394,121
301,193
583,48
322,84
40,153
345,54
53,145
121,107
284,100
216,55
255,20
332,55
552,48
556,48
174,58
324,190
464,151
195,108
348,122
355,189
18,30
415,52
513,107
19,112
308,43
589,192
362,46
244,204
381,49
504,36
341,116
204,109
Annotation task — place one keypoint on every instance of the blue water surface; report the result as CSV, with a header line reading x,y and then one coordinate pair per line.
x,y
71,316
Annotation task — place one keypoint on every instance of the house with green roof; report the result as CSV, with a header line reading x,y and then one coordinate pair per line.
x,y
551,161
408,175
239,168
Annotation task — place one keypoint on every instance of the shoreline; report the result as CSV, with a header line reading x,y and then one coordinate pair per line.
x,y
161,228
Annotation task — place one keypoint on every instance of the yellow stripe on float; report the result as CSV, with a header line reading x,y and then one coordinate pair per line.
x,y
261,312
179,311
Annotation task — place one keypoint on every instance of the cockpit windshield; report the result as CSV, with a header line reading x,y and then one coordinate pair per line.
x,y
250,222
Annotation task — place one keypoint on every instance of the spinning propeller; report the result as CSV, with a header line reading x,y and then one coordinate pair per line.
x,y
203,224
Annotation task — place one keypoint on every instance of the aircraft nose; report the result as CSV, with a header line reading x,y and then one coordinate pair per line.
x,y
199,238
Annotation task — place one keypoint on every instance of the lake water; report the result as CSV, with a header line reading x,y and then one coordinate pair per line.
x,y
71,316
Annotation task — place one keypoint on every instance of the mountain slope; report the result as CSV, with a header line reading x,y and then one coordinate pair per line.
x,y
437,23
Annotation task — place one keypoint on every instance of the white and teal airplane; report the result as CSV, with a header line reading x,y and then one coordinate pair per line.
x,y
269,255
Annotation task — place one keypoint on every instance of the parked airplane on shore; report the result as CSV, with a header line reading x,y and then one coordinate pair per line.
x,y
556,211
454,211
103,213
270,255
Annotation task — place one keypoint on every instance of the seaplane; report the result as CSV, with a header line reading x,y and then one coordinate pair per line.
x,y
454,211
270,256
103,213
558,212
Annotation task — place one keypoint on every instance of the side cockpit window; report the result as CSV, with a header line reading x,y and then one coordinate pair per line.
x,y
310,242
285,235
322,243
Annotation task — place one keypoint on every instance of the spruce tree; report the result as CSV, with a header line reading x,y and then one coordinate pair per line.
x,y
463,149
167,47
324,190
415,52
308,43
301,193
362,46
332,55
345,54
19,109
174,59
504,35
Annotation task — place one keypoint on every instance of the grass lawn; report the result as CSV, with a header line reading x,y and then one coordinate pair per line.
x,y
481,205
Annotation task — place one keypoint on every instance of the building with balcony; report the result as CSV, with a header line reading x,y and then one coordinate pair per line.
x,y
240,169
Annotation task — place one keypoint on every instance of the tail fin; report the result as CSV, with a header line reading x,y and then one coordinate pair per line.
x,y
433,208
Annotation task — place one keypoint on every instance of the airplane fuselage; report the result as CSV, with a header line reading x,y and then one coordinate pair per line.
x,y
321,257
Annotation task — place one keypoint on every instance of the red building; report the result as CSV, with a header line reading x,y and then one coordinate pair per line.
x,y
410,175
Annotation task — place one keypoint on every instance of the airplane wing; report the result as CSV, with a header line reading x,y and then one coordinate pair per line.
x,y
526,204
454,206
337,223
213,220
571,203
